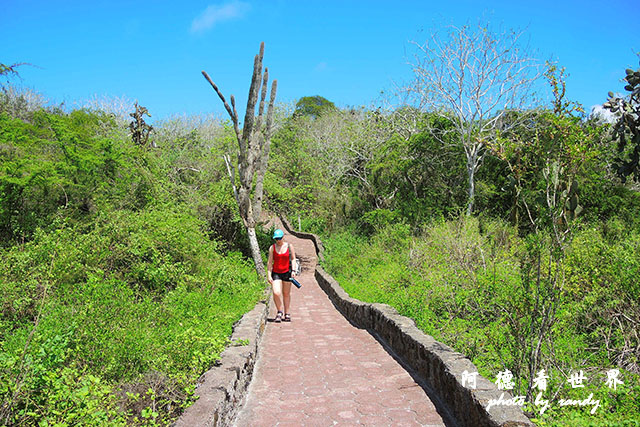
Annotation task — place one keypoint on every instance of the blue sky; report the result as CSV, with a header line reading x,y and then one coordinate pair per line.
x,y
346,51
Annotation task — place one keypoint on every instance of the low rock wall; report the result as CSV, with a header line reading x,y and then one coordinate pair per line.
x,y
436,363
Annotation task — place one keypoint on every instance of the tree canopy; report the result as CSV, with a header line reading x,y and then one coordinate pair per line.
x,y
313,106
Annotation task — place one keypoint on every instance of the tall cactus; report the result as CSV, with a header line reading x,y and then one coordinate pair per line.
x,y
627,127
254,142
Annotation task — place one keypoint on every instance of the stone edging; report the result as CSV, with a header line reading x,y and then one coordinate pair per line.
x,y
435,362
222,388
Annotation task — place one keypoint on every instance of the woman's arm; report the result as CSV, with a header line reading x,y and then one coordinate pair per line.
x,y
270,264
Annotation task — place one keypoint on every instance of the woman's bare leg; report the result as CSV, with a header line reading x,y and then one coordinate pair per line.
x,y
277,293
286,293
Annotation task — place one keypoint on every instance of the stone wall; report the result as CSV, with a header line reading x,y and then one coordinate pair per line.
x,y
436,363
222,388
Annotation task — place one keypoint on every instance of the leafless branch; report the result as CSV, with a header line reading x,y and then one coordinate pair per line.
x,y
231,171
472,77
232,112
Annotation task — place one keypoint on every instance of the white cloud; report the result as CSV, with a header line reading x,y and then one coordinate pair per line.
x,y
214,14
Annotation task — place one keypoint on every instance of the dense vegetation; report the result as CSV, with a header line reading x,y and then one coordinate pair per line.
x,y
124,264
544,274
122,267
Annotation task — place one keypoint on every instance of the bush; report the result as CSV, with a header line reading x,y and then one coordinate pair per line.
x,y
137,292
64,165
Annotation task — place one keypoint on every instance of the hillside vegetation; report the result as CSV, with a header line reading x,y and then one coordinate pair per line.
x,y
541,280
121,268
124,263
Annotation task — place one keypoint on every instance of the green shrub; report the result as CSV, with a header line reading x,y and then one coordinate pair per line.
x,y
134,293
64,165
377,220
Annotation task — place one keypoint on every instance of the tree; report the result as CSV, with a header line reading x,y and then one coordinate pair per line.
x,y
627,127
313,106
345,143
427,171
254,143
547,158
473,77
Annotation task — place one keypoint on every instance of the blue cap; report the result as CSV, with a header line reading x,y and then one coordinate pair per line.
x,y
278,234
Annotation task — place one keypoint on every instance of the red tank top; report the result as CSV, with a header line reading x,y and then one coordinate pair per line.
x,y
280,261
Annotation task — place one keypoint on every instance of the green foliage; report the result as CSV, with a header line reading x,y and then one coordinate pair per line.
x,y
347,163
426,174
313,106
120,276
606,201
138,292
64,166
293,179
547,164
297,181
377,220
627,127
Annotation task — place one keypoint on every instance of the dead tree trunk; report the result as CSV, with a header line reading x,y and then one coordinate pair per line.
x,y
254,142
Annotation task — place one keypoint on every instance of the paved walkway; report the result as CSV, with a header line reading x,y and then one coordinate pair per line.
x,y
319,370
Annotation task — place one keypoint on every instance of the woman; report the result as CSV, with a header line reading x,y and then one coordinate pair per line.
x,y
280,267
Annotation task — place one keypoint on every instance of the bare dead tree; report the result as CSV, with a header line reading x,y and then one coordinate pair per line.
x,y
254,143
473,77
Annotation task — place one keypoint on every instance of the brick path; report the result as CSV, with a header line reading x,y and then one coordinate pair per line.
x,y
319,370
